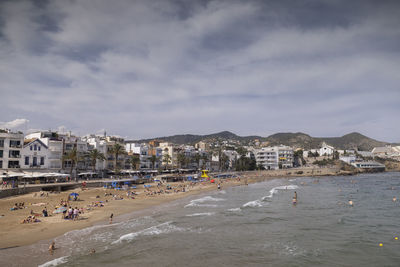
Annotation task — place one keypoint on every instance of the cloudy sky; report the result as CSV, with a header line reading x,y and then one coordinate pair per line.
x,y
153,68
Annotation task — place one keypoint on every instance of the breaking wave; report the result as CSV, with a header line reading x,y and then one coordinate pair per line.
x,y
163,228
275,189
55,262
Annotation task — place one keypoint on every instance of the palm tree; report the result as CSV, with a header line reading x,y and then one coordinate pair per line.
x,y
134,161
181,158
166,159
73,157
117,150
205,159
95,155
197,157
153,160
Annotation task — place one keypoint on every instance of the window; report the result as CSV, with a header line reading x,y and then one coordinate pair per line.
x,y
38,148
1,142
1,164
41,160
31,147
1,153
26,160
34,161
35,147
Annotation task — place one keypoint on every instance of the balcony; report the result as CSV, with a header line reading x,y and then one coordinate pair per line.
x,y
14,167
15,146
12,156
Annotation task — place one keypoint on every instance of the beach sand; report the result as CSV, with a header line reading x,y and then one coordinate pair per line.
x,y
14,233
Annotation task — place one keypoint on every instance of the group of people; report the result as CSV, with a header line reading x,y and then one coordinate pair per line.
x,y
18,206
72,213
30,219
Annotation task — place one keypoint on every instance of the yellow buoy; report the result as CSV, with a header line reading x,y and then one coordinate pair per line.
x,y
380,244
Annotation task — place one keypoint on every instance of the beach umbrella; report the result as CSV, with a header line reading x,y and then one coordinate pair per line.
x,y
74,194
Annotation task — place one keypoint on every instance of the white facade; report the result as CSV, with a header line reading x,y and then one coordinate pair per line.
x,y
348,159
54,145
10,150
35,155
273,158
326,150
146,152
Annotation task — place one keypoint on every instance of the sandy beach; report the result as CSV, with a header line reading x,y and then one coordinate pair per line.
x,y
14,233
99,203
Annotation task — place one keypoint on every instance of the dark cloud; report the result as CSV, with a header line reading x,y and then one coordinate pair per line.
x,y
151,68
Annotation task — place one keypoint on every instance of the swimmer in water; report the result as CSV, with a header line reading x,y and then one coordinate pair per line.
x,y
294,201
52,247
394,199
351,203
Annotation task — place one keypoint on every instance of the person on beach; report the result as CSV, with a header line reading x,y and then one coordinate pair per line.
x,y
294,200
219,186
111,217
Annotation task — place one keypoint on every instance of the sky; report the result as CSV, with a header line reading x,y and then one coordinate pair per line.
x,y
142,69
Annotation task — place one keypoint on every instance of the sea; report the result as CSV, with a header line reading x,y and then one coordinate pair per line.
x,y
254,225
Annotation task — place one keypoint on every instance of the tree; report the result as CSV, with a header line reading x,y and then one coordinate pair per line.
x,y
95,155
181,158
223,160
153,160
241,151
73,157
166,159
205,159
134,161
117,150
197,158
336,154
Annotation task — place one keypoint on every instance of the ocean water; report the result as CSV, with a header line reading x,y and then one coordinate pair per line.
x,y
254,225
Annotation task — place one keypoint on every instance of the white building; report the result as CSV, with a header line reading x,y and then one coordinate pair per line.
x,y
10,149
35,155
386,151
348,159
99,143
54,145
273,158
326,150
145,152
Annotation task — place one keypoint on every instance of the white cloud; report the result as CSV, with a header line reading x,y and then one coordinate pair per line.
x,y
13,124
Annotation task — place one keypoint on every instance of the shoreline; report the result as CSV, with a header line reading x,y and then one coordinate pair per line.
x,y
15,234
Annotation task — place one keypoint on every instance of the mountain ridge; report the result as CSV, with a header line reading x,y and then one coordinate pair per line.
x,y
353,140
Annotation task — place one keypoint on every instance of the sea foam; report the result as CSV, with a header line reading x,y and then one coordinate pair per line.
x,y
55,262
253,204
199,202
163,228
283,187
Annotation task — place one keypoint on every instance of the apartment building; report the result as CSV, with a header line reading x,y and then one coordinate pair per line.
x,y
273,158
10,149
